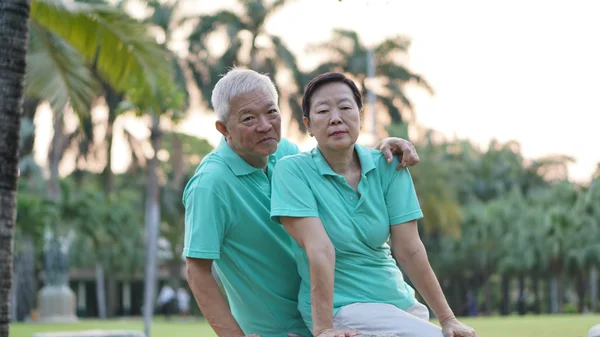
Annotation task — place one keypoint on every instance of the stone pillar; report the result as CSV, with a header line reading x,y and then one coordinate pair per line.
x,y
126,298
81,300
56,300
57,304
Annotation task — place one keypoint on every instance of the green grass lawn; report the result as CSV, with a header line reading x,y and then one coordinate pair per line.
x,y
514,326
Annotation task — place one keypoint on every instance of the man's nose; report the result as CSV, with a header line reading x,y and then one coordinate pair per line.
x,y
264,125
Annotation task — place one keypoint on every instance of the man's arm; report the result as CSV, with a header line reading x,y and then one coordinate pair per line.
x,y
405,150
210,299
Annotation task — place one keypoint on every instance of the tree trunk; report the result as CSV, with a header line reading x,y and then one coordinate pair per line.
x,y
14,30
536,293
26,286
254,54
581,288
505,294
152,219
561,294
522,300
489,299
113,296
112,101
100,291
594,288
554,294
57,146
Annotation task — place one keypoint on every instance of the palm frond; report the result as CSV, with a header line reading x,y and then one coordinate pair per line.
x,y
285,56
209,23
122,51
395,44
58,74
391,109
396,72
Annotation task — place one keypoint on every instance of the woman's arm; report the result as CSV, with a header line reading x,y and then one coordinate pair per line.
x,y
311,236
410,253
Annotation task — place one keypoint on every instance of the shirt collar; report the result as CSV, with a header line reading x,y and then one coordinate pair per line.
x,y
236,163
364,155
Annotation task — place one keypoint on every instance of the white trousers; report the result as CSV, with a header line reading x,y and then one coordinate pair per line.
x,y
379,318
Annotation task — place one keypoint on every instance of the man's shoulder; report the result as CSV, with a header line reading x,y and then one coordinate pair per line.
x,y
213,174
286,148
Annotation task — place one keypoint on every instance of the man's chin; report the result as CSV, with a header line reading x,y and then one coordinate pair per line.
x,y
268,148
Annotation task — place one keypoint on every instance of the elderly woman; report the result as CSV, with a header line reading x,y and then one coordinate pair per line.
x,y
340,203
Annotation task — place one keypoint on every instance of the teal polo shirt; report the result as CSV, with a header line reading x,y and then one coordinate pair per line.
x,y
227,205
358,225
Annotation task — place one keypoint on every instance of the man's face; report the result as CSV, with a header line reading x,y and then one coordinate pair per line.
x,y
254,126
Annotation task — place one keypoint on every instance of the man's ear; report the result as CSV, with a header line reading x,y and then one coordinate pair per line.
x,y
222,128
306,122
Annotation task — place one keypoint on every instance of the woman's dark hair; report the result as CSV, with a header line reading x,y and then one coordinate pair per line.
x,y
325,78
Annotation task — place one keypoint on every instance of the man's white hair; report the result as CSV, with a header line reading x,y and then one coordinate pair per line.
x,y
239,81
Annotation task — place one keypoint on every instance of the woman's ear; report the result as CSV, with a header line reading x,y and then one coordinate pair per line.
x,y
362,117
306,122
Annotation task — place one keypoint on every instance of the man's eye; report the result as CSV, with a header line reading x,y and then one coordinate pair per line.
x,y
322,111
248,119
273,111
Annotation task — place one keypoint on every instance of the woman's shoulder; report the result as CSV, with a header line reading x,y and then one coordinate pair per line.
x,y
299,160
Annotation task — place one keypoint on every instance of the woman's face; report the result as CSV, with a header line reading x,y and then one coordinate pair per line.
x,y
335,119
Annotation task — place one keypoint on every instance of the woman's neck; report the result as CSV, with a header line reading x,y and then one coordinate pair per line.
x,y
341,161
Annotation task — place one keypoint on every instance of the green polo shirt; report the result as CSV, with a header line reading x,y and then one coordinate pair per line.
x,y
358,225
227,205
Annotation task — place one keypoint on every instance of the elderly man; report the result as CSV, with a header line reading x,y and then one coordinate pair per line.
x,y
227,215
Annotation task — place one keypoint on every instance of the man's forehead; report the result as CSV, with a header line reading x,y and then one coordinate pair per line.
x,y
251,101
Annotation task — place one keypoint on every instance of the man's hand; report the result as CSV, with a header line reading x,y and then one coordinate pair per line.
x,y
405,150
337,333
453,328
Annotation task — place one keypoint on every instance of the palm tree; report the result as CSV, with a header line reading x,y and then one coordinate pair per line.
x,y
349,54
245,30
14,32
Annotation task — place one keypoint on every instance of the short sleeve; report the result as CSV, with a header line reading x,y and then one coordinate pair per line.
x,y
206,222
400,197
291,194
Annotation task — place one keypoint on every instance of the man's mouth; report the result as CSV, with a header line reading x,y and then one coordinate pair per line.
x,y
337,133
266,139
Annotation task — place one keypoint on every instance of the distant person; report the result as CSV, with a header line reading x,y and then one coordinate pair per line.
x,y
183,301
166,301
341,202
227,204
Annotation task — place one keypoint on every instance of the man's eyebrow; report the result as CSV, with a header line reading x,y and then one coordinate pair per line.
x,y
270,104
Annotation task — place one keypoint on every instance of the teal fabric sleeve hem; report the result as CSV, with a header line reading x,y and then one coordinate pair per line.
x,y
297,213
198,254
414,215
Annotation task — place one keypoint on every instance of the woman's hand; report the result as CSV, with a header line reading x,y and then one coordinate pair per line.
x,y
451,327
